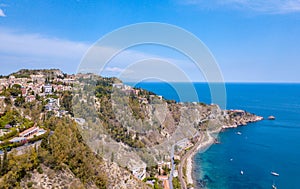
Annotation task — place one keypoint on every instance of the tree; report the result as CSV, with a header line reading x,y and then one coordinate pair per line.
x,y
112,157
7,100
15,91
20,100
67,101
16,86
37,97
4,163
0,165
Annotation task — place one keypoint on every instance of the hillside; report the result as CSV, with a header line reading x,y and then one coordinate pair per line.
x,y
97,132
137,129
25,73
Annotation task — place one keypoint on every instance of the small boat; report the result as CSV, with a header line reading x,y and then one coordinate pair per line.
x,y
271,118
242,172
231,159
274,186
238,133
274,173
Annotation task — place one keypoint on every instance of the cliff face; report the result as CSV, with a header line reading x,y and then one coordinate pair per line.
x,y
50,178
120,178
136,128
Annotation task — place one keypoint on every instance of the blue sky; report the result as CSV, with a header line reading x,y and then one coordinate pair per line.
x,y
252,40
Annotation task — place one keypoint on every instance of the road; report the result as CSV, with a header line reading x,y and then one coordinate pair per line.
x,y
183,160
22,149
172,168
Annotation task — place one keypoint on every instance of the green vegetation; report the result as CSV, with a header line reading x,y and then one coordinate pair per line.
x,y
15,167
166,170
66,101
12,132
137,108
156,184
176,183
64,149
25,73
152,170
102,89
176,161
190,185
13,118
13,91
18,124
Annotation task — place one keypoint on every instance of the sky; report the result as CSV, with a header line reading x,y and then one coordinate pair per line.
x,y
251,40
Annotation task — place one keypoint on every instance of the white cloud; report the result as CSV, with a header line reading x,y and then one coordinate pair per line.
x,y
263,6
35,44
32,51
2,14
114,69
133,62
18,50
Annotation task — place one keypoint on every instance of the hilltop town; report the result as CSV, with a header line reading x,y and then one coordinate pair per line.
x,y
21,90
138,139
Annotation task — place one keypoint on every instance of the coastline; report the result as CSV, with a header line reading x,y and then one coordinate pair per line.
x,y
205,142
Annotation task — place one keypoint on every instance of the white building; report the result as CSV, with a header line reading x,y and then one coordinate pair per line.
x,y
48,89
139,173
175,173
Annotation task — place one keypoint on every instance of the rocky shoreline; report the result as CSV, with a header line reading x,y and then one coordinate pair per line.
x,y
242,119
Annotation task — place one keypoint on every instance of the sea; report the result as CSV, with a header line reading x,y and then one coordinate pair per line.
x,y
262,147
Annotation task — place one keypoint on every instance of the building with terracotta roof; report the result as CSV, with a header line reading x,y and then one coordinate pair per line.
x,y
30,98
29,132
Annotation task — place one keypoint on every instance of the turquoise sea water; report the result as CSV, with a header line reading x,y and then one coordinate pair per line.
x,y
263,146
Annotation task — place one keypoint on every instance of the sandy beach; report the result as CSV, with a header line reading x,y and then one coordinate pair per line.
x,y
205,142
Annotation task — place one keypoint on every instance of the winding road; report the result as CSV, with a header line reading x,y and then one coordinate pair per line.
x,y
183,160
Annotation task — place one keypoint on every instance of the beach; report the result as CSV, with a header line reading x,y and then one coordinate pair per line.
x,y
204,142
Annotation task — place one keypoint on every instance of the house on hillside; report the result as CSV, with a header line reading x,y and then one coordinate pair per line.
x,y
162,165
53,104
139,172
165,181
30,98
11,80
47,89
118,85
29,132
24,91
38,79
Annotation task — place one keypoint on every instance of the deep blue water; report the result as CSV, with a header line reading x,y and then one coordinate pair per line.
x,y
263,146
